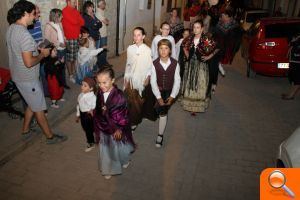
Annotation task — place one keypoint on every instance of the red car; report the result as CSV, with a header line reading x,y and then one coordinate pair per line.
x,y
265,45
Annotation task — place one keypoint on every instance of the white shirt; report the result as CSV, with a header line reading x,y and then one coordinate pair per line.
x,y
196,42
154,51
105,95
100,14
86,102
178,44
176,84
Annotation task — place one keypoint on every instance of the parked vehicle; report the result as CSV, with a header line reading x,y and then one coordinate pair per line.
x,y
251,16
289,151
265,45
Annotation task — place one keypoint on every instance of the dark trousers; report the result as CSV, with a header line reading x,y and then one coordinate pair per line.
x,y
87,124
213,66
61,54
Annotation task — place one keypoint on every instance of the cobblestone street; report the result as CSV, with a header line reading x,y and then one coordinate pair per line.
x,y
215,155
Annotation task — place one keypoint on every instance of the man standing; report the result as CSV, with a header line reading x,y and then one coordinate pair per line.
x,y
24,65
100,14
72,21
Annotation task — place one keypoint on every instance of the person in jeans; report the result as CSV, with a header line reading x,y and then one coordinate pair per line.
x,y
24,65
100,14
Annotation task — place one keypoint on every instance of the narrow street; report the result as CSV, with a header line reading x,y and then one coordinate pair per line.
x,y
215,155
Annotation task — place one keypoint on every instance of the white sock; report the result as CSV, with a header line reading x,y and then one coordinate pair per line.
x,y
53,101
221,69
162,124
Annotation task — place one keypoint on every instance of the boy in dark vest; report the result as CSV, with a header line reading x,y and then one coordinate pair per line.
x,y
165,83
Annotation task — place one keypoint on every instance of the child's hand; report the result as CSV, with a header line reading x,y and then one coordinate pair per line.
x,y
117,135
91,112
161,102
62,60
146,82
170,100
77,119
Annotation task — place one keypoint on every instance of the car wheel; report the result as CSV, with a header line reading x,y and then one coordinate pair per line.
x,y
250,72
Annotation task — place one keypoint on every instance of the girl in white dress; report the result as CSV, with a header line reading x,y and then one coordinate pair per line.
x,y
137,75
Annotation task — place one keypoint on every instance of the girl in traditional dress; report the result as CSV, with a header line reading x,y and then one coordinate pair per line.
x,y
53,71
228,35
165,31
86,60
137,75
198,49
165,83
111,126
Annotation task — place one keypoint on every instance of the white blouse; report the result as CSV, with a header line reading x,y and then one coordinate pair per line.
x,y
86,102
138,66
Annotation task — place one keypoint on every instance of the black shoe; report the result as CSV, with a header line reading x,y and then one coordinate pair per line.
x,y
67,87
158,143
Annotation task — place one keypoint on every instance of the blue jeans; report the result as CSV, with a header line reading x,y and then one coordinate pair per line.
x,y
102,57
98,43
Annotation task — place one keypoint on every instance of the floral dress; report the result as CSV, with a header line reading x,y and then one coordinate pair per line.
x,y
196,76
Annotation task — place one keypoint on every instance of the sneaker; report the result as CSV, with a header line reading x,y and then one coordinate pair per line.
x,y
27,135
89,147
126,165
107,177
72,79
62,99
54,105
56,139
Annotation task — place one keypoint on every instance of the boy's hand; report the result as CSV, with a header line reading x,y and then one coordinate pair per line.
x,y
118,135
91,112
161,102
77,119
170,100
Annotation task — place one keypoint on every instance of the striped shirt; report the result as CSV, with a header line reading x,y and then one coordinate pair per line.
x,y
36,31
19,40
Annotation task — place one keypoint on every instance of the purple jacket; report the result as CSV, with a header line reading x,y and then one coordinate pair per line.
x,y
112,115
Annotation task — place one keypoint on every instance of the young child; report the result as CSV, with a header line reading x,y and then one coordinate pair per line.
x,y
137,75
165,83
87,59
112,127
86,104
53,72
165,31
85,33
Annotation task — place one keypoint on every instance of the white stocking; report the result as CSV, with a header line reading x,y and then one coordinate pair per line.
x,y
162,124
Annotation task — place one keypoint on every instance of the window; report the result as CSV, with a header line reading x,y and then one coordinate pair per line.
x,y
282,30
252,17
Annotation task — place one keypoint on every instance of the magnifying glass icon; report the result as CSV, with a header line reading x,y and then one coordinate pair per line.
x,y
277,180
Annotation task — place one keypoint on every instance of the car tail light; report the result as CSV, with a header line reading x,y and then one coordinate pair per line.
x,y
266,45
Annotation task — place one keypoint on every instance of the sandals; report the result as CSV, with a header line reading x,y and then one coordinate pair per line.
x,y
159,141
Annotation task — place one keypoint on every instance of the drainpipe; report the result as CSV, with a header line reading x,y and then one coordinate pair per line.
x,y
118,28
125,25
154,9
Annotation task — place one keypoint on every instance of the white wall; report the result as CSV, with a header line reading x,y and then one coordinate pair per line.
x,y
134,17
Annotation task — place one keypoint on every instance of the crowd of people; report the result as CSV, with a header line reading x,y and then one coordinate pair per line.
x,y
185,68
